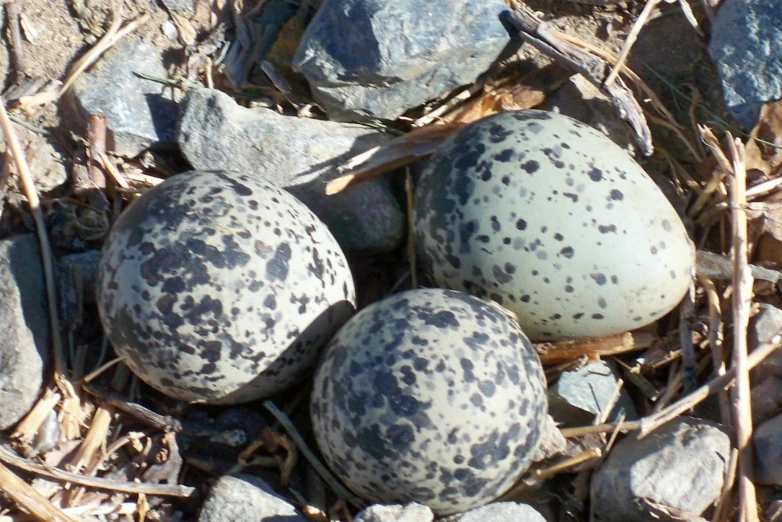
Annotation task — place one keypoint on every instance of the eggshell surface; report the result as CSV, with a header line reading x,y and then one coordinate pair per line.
x,y
217,287
554,221
430,396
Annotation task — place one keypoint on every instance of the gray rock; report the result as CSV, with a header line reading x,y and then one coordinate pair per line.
x,y
395,513
299,154
396,55
48,434
503,512
244,497
681,465
766,399
762,327
749,60
178,5
138,112
83,265
24,327
767,439
579,395
47,164
552,443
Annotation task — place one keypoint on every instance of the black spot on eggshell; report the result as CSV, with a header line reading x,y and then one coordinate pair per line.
x,y
530,167
447,438
595,174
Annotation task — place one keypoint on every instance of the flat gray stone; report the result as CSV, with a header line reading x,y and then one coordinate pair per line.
x,y
298,154
746,45
503,512
178,5
767,439
762,327
138,112
24,327
766,399
395,513
377,59
245,497
681,465
579,395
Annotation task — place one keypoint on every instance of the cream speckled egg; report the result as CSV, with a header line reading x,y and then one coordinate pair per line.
x,y
217,287
554,221
430,396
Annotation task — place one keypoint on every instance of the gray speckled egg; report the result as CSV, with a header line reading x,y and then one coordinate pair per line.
x,y
217,287
551,219
430,396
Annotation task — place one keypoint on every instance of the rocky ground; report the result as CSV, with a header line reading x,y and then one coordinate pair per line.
x,y
639,426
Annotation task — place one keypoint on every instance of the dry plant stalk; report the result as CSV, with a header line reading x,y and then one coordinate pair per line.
x,y
721,511
166,490
596,347
112,35
742,299
71,407
27,497
566,465
716,343
631,38
650,423
325,474
35,207
25,431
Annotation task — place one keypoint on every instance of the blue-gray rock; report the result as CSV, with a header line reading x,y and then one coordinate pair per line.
x,y
766,399
767,440
245,497
412,512
681,466
503,512
82,266
579,395
24,323
139,113
379,58
762,327
746,45
299,154
178,5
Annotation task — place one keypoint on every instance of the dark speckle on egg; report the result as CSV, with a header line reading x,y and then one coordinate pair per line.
x,y
439,432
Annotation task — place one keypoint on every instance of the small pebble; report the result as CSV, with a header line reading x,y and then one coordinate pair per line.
x,y
579,395
245,497
503,512
395,513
